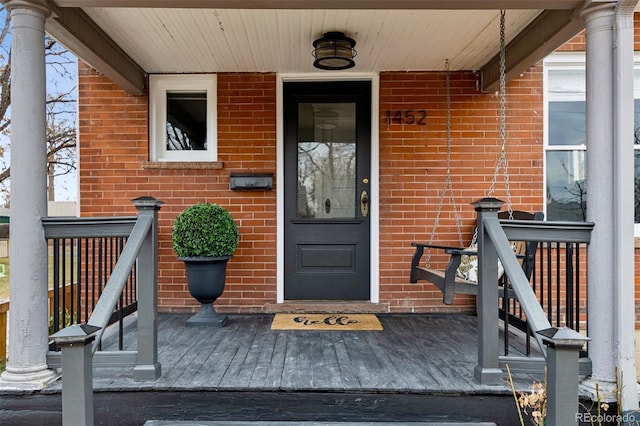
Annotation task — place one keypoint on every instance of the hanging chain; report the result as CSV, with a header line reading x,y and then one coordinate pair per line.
x,y
502,162
452,199
447,184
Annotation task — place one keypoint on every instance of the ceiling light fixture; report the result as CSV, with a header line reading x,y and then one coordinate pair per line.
x,y
334,51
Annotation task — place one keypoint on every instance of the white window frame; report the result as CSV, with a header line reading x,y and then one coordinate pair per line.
x,y
159,86
571,61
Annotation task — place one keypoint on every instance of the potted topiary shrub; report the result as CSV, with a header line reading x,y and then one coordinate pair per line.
x,y
205,236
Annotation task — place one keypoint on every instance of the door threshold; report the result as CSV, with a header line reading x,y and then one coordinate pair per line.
x,y
327,306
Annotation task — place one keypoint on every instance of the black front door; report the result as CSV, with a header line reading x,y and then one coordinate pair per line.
x,y
327,145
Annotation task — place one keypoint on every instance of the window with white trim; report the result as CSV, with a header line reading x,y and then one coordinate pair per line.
x,y
565,137
182,117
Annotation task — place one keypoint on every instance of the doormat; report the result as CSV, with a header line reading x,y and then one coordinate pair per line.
x,y
336,322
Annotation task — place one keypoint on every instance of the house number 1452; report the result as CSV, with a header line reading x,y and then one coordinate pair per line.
x,y
407,116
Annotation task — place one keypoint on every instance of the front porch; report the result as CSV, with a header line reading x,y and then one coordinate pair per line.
x,y
119,165
414,353
425,354
419,368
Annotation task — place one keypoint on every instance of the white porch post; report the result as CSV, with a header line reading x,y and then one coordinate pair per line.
x,y
28,324
623,207
599,158
608,208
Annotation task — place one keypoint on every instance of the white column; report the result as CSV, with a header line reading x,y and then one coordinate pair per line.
x,y
623,207
28,324
600,164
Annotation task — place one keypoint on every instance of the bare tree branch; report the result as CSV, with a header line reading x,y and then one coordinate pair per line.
x,y
60,105
4,175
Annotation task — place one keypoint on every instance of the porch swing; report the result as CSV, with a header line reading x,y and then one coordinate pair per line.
x,y
460,276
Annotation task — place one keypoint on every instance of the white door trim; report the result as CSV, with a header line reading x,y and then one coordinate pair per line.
x,y
375,174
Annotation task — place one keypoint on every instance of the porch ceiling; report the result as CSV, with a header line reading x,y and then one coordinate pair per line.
x,y
276,36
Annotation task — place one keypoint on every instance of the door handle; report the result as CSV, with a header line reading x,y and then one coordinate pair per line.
x,y
364,203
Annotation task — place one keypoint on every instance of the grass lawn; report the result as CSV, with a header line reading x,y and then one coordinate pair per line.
x,y
4,280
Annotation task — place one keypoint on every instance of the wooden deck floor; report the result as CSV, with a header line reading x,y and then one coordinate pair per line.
x,y
433,353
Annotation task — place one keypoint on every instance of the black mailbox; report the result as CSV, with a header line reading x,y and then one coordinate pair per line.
x,y
251,181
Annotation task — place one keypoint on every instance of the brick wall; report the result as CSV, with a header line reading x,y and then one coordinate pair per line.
x,y
413,164
114,170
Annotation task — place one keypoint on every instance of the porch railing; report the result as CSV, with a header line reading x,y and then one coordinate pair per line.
x,y
559,238
83,255
112,267
558,280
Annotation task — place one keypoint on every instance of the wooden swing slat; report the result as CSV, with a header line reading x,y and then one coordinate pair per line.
x,y
449,283
446,280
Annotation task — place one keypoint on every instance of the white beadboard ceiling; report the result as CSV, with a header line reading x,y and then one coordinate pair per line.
x,y
272,40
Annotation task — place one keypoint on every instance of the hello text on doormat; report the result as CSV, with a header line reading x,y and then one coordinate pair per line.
x,y
336,322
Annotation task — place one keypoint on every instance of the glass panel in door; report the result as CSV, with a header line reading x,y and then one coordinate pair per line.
x,y
326,161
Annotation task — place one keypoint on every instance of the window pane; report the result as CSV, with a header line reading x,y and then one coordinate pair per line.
x,y
186,121
567,85
566,186
326,161
567,123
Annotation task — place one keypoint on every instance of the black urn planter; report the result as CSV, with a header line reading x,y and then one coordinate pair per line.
x,y
206,278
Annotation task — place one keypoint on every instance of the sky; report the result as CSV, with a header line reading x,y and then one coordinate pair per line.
x,y
66,187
